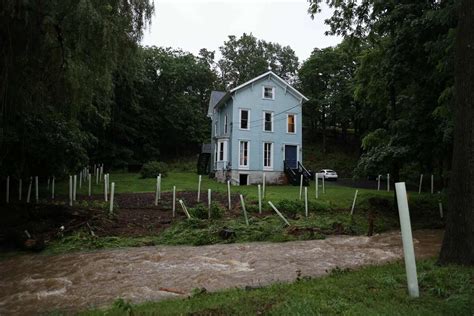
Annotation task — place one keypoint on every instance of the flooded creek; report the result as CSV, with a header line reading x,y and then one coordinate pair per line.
x,y
32,284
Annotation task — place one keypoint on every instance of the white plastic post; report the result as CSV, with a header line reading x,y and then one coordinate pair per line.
x,y
97,176
301,187
432,183
112,192
259,199
36,189
306,201
7,197
378,182
316,185
324,187
408,250
101,172
279,214
70,190
228,194
28,195
354,202
157,188
52,187
106,189
20,187
209,203
74,187
263,185
388,182
174,201
419,185
90,188
243,208
184,208
199,189
80,179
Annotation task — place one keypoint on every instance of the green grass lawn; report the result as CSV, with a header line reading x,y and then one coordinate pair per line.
x,y
338,196
378,290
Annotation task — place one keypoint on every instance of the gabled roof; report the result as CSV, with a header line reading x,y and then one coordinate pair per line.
x,y
220,97
216,96
270,73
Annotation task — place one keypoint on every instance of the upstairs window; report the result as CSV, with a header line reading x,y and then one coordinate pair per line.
x,y
268,93
291,124
268,121
244,119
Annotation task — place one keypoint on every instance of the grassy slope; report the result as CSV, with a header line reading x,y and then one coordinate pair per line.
x,y
379,290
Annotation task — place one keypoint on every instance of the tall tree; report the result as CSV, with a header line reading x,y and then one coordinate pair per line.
x,y
458,243
247,57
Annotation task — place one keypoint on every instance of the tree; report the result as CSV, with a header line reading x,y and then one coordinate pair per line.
x,y
458,243
246,57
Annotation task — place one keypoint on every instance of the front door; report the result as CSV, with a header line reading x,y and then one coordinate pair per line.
x,y
291,157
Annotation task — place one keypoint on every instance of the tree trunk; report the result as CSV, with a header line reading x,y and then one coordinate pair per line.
x,y
458,243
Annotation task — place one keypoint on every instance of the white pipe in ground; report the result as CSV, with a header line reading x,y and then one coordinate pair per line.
x,y
306,201
228,194
243,208
278,213
420,184
174,201
28,195
407,239
209,203
199,188
354,202
112,192
301,186
259,199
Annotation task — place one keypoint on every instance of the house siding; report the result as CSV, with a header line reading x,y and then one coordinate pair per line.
x,y
250,97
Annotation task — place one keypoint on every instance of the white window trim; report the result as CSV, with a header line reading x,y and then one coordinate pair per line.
x,y
240,119
263,92
246,167
287,116
225,124
263,129
224,148
270,168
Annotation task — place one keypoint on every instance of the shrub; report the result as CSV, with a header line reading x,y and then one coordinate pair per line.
x,y
153,168
290,207
201,211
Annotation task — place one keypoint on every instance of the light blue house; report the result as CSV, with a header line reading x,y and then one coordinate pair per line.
x,y
257,129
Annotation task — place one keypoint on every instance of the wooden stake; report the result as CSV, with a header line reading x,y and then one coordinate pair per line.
x,y
243,208
112,192
407,239
279,214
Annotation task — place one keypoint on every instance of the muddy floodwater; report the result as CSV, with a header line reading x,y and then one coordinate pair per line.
x,y
38,283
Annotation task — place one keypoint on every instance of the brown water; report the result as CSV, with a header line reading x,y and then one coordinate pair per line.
x,y
37,283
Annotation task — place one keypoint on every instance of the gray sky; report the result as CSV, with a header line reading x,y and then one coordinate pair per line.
x,y
192,25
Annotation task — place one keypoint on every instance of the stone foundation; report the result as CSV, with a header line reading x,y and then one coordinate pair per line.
x,y
254,177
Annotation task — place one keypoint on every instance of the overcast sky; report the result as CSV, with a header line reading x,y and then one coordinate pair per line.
x,y
195,24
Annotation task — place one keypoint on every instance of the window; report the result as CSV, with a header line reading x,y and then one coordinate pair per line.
x,y
268,121
291,124
225,124
244,154
221,151
267,155
268,93
244,119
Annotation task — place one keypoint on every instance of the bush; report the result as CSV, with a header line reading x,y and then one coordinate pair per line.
x,y
201,211
290,207
153,168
